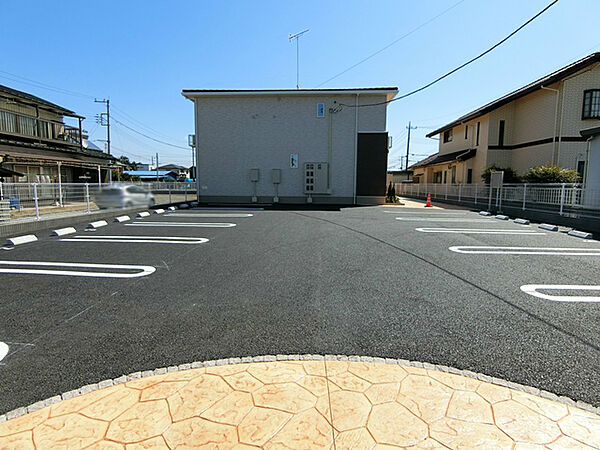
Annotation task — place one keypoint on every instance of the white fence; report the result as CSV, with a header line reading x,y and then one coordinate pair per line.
x,y
19,200
543,197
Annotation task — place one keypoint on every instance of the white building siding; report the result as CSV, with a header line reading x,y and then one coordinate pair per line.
x,y
238,133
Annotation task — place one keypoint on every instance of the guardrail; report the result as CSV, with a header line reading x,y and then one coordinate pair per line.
x,y
561,198
19,200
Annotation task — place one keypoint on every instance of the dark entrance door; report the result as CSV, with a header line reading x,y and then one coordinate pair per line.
x,y
371,164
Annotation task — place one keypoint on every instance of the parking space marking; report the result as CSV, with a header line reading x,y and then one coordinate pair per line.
x,y
181,224
444,219
532,289
441,213
212,215
3,350
555,251
478,231
126,269
138,239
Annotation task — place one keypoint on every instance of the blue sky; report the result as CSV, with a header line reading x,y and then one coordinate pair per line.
x,y
141,54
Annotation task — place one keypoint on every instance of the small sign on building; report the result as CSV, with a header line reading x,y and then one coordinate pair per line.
x,y
294,161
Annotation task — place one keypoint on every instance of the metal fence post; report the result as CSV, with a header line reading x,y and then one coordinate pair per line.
x,y
459,191
524,195
169,193
87,197
446,191
185,192
35,200
476,186
1,192
562,198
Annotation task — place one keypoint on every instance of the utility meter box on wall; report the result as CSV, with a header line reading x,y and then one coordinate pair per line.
x,y
254,175
316,178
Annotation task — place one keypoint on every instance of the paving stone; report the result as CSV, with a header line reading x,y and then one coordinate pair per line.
x,y
303,402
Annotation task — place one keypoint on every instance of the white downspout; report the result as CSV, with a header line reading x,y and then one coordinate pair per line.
x,y
197,150
554,132
562,109
355,145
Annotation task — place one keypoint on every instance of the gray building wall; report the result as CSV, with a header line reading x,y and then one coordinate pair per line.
x,y
237,133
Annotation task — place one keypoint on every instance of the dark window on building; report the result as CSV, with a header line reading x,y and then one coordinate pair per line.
x,y
437,177
445,176
466,131
501,134
581,170
591,104
448,136
469,176
477,136
453,174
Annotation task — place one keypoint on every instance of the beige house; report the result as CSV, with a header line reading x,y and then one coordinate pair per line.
x,y
536,124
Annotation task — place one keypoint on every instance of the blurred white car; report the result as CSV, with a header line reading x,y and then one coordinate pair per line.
x,y
124,196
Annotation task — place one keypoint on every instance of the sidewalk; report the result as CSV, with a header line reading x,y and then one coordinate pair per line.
x,y
304,402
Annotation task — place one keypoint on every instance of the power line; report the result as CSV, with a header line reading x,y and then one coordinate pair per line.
x,y
422,88
141,124
414,30
149,137
41,85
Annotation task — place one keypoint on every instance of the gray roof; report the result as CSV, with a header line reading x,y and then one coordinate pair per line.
x,y
525,90
14,93
389,92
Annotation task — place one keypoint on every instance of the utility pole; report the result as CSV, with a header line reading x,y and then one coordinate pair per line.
x,y
408,143
106,124
296,36
156,166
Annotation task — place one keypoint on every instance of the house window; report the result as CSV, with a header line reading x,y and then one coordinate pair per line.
x,y
591,104
445,176
448,135
453,174
469,176
501,134
581,170
466,131
477,136
437,177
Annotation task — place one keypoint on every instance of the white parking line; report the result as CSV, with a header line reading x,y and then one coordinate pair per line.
x,y
141,271
532,289
178,214
478,231
488,250
3,350
181,224
443,219
441,213
138,239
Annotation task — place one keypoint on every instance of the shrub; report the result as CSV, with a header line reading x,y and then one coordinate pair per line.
x,y
549,173
510,176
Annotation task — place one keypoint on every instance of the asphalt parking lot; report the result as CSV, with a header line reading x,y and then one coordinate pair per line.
x,y
439,286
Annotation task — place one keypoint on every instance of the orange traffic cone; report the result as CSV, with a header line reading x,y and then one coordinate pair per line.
x,y
428,204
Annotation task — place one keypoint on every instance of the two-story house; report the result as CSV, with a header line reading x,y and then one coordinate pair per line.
x,y
36,145
537,124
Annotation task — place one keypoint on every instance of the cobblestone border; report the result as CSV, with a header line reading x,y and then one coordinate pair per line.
x,y
308,357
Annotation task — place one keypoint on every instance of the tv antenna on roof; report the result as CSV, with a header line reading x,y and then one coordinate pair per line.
x,y
296,36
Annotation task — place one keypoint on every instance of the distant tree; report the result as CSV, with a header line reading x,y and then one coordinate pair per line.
x,y
127,163
510,176
549,173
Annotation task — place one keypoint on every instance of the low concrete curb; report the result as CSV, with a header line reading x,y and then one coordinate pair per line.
x,y
580,234
11,229
25,239
547,226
